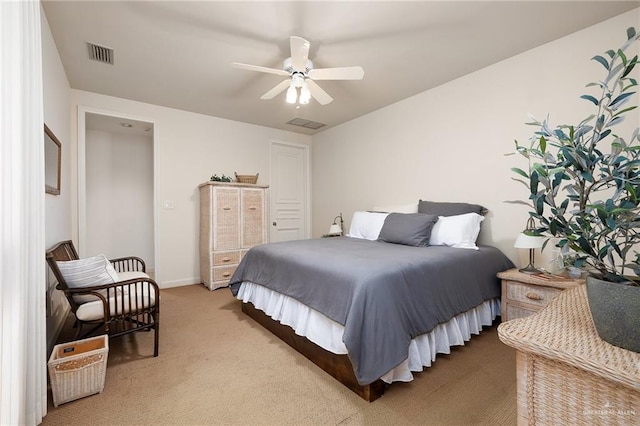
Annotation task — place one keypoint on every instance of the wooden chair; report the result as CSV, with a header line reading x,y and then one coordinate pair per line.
x,y
129,305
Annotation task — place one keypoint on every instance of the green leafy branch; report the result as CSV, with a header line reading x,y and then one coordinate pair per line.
x,y
587,196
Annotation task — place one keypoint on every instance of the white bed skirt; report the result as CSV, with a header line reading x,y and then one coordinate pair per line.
x,y
327,333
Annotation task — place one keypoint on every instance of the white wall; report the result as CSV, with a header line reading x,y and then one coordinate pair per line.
x,y
448,143
189,149
57,116
119,195
444,144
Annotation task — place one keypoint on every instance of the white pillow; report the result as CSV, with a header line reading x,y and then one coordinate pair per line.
x,y
88,272
398,208
366,225
459,231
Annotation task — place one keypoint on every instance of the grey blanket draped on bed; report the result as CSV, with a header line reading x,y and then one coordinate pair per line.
x,y
383,294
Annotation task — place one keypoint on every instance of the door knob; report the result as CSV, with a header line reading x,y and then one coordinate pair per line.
x,y
275,223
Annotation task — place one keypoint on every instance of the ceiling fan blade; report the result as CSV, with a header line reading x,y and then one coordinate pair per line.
x,y
259,68
343,73
276,90
318,93
299,53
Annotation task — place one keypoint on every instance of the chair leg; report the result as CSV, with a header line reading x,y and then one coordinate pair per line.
x,y
156,337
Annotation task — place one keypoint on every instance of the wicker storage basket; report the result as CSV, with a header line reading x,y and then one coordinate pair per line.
x,y
78,369
247,178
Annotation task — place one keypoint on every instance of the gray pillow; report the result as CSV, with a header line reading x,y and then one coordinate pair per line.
x,y
411,229
449,209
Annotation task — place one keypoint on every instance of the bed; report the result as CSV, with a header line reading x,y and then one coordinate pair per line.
x,y
371,311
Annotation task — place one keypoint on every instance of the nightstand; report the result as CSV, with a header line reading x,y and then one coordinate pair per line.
x,y
525,294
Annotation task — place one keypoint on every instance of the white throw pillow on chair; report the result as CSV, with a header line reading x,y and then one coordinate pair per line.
x,y
88,272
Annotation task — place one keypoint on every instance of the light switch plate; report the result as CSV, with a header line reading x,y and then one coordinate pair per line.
x,y
167,205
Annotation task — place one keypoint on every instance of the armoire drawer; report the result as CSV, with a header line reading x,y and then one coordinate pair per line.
x,y
221,273
221,258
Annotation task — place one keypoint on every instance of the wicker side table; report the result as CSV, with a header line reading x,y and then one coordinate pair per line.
x,y
525,294
568,375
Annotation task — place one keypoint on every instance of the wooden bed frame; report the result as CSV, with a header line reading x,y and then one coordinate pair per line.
x,y
338,366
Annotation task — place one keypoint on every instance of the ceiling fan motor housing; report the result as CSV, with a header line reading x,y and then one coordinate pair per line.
x,y
286,65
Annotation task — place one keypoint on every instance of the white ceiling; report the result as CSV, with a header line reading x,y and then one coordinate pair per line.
x,y
178,54
111,124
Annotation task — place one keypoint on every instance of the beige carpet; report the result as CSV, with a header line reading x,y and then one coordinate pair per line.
x,y
217,366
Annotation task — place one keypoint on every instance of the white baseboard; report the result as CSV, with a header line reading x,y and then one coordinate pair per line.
x,y
180,283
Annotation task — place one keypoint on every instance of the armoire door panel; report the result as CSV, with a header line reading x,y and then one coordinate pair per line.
x,y
226,219
252,217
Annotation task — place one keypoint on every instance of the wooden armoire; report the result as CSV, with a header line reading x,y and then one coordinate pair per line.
x,y
233,218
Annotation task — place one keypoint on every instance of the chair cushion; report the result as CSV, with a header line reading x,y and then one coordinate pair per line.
x,y
88,272
130,275
119,304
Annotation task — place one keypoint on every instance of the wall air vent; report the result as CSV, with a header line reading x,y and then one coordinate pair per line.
x,y
306,123
100,53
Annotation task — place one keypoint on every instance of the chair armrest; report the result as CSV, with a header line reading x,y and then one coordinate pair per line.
x,y
82,290
95,290
127,264
121,285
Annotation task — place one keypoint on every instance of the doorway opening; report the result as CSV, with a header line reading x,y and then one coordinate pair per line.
x,y
116,187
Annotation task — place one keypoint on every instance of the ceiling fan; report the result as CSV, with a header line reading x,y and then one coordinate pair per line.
x,y
302,75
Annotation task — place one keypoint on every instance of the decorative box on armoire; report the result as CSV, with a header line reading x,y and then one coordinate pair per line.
x,y
233,218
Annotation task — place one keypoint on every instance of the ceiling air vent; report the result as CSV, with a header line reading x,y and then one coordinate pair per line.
x,y
306,123
100,53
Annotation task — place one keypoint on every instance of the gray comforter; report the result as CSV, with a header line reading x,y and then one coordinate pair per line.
x,y
383,294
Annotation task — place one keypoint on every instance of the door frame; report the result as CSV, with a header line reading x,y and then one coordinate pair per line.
x,y
306,150
82,178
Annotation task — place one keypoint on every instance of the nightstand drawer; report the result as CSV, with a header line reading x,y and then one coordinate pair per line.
x,y
530,294
516,311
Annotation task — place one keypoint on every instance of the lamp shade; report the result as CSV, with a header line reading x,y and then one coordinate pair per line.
x,y
335,229
529,241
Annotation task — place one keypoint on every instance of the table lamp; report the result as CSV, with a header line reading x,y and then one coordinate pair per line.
x,y
336,229
530,242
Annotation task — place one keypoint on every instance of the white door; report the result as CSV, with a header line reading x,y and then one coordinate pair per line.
x,y
289,190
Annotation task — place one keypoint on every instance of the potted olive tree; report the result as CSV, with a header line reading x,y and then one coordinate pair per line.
x,y
584,186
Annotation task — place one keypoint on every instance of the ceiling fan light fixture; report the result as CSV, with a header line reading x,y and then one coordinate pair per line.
x,y
305,94
292,94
